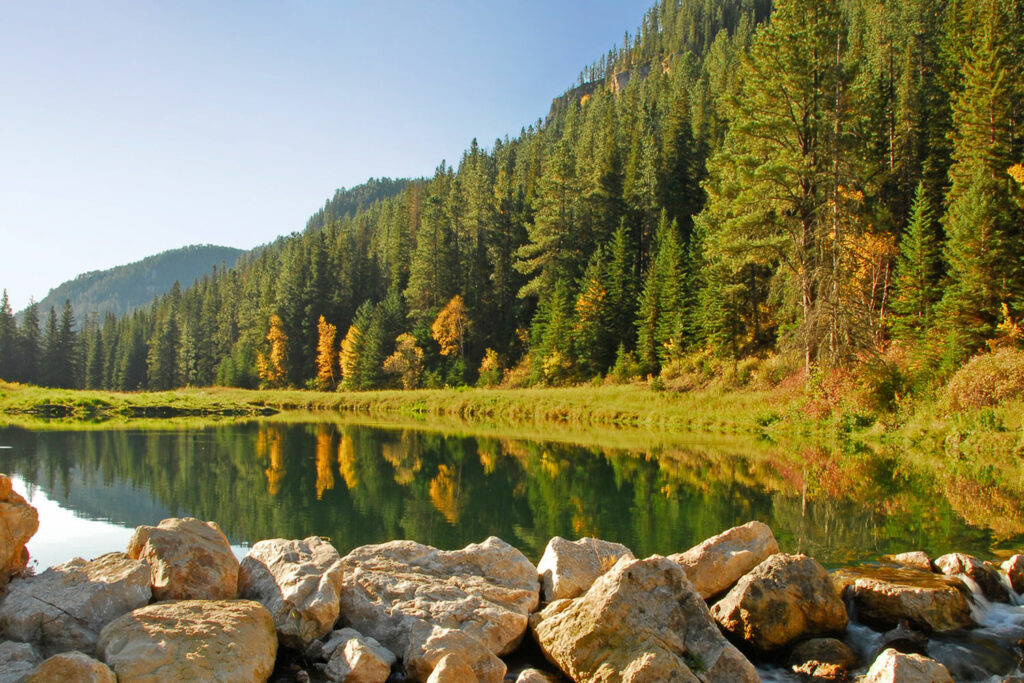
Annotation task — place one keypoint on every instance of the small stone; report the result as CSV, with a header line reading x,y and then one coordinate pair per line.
x,y
782,600
72,666
189,560
355,658
16,661
65,607
19,521
1014,568
985,576
916,559
192,640
451,670
568,568
299,582
536,676
826,659
429,646
895,667
715,565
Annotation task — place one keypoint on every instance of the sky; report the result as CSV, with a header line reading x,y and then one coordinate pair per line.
x,y
129,127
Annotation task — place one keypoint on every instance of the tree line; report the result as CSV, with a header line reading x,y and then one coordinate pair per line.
x,y
817,178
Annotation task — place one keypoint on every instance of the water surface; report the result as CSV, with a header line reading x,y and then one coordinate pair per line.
x,y
359,484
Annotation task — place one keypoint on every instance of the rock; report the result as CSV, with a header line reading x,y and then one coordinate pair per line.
x,y
895,667
782,600
16,661
535,676
881,597
567,568
916,559
906,640
642,620
72,666
715,565
451,670
192,640
18,522
299,582
985,576
825,659
430,645
65,607
189,560
356,659
398,592
1014,568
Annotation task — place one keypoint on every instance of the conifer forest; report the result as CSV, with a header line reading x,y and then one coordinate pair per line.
x,y
839,182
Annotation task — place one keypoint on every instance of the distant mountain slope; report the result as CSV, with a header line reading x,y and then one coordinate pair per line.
x,y
124,288
347,202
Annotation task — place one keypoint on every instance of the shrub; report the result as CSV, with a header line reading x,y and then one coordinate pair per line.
x,y
988,379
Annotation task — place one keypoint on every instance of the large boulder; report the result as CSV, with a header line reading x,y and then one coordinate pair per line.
x,y
716,564
895,667
299,582
17,660
355,658
191,640
65,607
782,600
984,576
432,646
567,568
189,560
1014,568
641,621
405,594
73,667
18,522
883,596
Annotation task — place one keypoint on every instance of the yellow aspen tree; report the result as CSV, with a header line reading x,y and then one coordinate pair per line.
x,y
273,370
450,327
326,358
406,361
349,355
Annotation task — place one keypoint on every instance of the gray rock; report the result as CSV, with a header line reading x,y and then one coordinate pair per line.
x,y
782,600
1014,568
405,594
355,658
567,568
299,582
715,565
642,620
17,660
189,560
895,667
985,576
65,607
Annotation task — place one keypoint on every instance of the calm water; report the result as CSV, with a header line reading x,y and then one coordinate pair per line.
x,y
359,485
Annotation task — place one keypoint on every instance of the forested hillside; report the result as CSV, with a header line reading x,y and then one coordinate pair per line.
x,y
830,184
122,289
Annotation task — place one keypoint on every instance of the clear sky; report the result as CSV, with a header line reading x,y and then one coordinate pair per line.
x,y
128,127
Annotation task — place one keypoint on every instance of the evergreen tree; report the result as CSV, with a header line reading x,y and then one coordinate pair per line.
x,y
29,346
8,340
918,269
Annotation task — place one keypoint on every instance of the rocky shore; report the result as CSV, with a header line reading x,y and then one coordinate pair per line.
x,y
178,605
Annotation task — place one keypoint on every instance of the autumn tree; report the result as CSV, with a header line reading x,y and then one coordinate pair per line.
x,y
273,367
450,328
327,355
406,362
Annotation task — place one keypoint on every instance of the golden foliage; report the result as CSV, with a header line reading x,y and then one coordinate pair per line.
x,y
490,368
273,370
1017,173
326,358
347,462
350,353
324,466
450,327
275,473
444,493
406,361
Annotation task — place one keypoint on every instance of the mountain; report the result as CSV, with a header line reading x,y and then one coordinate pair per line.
x,y
122,289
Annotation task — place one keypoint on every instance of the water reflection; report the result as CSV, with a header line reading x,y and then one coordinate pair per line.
x,y
359,484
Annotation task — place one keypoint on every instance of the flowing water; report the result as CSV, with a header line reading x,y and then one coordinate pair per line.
x,y
360,484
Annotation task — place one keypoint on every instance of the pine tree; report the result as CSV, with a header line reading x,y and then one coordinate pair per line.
x,y
29,346
8,340
918,269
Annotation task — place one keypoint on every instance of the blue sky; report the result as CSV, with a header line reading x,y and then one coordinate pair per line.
x,y
131,127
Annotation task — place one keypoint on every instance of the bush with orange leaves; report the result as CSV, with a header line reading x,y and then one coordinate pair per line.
x,y
988,379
